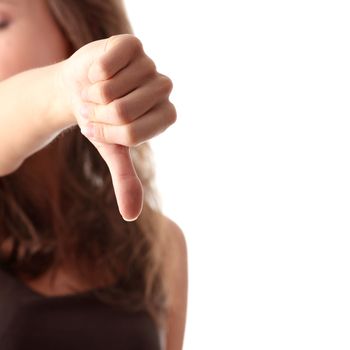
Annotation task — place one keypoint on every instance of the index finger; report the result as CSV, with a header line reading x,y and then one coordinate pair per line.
x,y
119,52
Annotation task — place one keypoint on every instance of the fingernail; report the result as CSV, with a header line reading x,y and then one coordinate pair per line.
x,y
87,130
84,111
129,220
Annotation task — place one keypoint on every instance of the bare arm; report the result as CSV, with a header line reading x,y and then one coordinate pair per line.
x,y
33,113
126,102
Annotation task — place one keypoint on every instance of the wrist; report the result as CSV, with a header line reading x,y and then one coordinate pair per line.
x,y
62,98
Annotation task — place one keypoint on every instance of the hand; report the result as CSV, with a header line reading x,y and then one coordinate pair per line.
x,y
119,101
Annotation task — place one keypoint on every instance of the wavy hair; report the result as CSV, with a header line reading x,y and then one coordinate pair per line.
x,y
60,206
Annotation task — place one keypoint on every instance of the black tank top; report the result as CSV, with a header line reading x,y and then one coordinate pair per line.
x,y
31,321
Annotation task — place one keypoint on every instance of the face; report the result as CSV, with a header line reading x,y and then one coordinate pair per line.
x,y
29,37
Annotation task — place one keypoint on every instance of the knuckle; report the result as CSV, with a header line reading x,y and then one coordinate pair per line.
x,y
149,69
102,68
152,68
129,136
166,85
172,113
105,93
100,132
110,41
120,110
126,36
136,43
92,111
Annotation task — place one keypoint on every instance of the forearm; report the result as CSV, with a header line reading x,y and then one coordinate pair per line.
x,y
33,112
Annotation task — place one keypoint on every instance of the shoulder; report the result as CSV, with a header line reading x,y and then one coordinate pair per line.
x,y
174,236
176,252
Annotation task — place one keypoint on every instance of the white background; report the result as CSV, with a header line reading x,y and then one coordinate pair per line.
x,y
256,169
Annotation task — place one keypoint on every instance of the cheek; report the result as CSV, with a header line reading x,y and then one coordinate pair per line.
x,y
31,49
11,59
51,47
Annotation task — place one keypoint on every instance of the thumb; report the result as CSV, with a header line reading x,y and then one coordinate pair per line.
x,y
127,185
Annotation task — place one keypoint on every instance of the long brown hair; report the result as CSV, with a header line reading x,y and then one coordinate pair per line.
x,y
59,206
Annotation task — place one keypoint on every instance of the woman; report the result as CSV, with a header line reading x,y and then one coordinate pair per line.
x,y
82,266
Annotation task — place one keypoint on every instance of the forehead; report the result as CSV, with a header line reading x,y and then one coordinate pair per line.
x,y
23,4
9,2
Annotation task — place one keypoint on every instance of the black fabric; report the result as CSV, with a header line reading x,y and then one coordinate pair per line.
x,y
30,321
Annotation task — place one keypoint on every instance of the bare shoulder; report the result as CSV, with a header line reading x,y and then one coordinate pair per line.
x,y
178,279
175,236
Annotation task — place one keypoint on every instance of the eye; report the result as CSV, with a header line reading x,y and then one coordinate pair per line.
x,y
4,24
4,20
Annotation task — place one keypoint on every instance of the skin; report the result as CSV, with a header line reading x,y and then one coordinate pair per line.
x,y
108,87
17,34
120,101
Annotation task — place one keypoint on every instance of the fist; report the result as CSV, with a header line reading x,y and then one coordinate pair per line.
x,y
117,95
119,100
